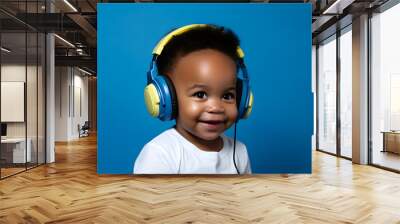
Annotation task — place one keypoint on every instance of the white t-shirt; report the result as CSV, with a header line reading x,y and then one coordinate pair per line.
x,y
171,153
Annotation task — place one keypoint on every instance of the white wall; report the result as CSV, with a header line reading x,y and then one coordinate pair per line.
x,y
71,102
62,81
12,73
13,101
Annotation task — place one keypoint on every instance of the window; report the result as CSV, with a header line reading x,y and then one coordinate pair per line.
x,y
346,92
327,95
385,88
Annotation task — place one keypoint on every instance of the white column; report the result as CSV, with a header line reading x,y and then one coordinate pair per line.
x,y
360,90
50,93
50,100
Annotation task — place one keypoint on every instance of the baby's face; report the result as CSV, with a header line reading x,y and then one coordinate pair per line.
x,y
205,83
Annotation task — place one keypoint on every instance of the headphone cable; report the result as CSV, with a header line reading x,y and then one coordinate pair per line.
x,y
234,149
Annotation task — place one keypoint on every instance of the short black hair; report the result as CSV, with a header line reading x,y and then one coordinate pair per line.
x,y
203,37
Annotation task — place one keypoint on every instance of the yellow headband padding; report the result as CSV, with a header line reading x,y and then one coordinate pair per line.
x,y
240,52
152,100
250,107
161,44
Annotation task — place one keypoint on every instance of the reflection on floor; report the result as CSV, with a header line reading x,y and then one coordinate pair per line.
x,y
10,169
346,152
386,159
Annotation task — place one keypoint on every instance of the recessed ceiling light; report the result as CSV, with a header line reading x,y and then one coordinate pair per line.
x,y
337,7
70,5
84,71
64,40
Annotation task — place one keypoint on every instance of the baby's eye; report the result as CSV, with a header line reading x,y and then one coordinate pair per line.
x,y
200,94
228,96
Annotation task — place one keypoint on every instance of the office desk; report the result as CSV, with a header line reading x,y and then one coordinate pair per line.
x,y
13,150
391,141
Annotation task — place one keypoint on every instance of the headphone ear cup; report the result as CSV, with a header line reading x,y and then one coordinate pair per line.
x,y
164,102
242,96
244,99
152,100
249,106
174,99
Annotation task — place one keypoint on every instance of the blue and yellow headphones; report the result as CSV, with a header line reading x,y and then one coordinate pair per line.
x,y
160,96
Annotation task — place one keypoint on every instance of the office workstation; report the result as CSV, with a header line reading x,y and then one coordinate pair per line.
x,y
22,107
16,148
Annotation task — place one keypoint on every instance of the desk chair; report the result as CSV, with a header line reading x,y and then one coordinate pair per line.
x,y
84,130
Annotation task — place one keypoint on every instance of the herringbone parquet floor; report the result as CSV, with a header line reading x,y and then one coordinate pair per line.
x,y
70,191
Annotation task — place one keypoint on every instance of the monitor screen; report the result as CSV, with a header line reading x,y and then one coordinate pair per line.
x,y
3,129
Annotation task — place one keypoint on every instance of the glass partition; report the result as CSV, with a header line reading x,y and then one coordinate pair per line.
x,y
22,89
327,95
14,154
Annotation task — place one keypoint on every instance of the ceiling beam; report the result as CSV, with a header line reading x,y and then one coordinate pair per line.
x,y
83,61
86,26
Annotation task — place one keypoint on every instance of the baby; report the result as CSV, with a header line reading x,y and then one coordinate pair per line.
x,y
194,79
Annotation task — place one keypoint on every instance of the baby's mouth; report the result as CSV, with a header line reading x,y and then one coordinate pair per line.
x,y
213,121
212,124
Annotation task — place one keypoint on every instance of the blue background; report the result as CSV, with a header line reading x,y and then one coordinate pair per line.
x,y
276,39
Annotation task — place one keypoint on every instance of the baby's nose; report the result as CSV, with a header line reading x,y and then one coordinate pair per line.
x,y
215,106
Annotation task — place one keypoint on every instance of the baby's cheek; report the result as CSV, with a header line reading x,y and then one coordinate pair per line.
x,y
193,110
233,113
